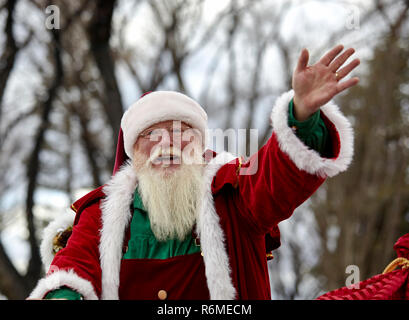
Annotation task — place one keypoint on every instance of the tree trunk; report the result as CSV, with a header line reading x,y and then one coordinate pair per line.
x,y
99,32
33,169
10,51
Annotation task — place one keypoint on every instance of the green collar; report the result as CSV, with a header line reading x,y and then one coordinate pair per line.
x,y
137,201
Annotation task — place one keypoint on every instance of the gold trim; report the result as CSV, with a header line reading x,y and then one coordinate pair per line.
x,y
238,172
74,208
398,262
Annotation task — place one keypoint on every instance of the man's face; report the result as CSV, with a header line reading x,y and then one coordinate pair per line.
x,y
169,165
167,144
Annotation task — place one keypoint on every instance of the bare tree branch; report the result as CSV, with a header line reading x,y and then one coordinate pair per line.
x,y
10,50
34,267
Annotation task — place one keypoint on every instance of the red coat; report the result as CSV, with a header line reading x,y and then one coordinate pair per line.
x,y
238,211
390,285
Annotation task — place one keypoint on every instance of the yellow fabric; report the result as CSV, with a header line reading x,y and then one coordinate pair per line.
x,y
398,262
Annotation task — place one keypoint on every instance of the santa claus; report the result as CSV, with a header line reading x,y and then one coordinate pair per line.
x,y
177,221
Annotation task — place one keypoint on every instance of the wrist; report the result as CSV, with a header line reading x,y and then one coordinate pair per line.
x,y
301,112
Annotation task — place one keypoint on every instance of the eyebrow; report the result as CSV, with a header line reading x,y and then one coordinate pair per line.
x,y
153,128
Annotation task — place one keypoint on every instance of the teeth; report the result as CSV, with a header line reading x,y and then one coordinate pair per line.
x,y
166,158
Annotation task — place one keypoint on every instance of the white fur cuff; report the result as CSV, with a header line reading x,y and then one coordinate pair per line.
x,y
62,278
305,158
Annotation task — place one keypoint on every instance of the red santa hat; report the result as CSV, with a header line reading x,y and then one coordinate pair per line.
x,y
161,106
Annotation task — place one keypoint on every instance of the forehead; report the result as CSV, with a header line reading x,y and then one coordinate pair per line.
x,y
167,124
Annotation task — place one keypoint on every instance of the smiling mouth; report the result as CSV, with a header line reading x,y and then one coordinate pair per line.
x,y
166,159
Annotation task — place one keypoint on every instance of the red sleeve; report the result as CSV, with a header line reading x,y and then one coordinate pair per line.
x,y
81,254
271,186
285,172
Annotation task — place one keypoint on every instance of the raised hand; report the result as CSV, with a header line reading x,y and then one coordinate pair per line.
x,y
315,85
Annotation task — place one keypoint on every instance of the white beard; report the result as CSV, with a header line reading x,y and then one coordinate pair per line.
x,y
171,199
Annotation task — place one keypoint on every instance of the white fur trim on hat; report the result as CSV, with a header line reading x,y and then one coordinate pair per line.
x,y
161,106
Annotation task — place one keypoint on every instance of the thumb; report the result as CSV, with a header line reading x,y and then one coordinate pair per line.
x,y
302,60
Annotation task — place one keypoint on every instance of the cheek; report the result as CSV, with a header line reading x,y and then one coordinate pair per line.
x,y
141,155
192,150
192,140
143,147
184,144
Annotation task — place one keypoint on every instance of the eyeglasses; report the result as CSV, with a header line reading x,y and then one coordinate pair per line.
x,y
154,133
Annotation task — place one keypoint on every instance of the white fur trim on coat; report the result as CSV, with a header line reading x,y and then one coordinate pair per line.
x,y
61,278
212,241
61,223
305,158
116,215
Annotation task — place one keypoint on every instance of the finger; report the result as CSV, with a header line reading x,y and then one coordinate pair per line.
x,y
302,60
326,60
341,86
338,62
348,68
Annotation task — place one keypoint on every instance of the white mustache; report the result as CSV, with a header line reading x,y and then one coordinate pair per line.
x,y
166,155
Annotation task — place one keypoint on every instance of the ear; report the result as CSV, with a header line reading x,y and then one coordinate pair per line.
x,y
135,149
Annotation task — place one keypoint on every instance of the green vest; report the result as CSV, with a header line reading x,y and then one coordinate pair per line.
x,y
143,244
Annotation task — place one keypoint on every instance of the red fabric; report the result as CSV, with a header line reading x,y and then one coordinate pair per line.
x,y
393,285
254,208
335,140
182,277
249,207
81,252
402,246
90,198
120,156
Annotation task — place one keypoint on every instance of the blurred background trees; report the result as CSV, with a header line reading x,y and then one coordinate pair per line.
x,y
63,92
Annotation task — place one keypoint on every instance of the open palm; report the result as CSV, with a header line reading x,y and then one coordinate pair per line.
x,y
317,84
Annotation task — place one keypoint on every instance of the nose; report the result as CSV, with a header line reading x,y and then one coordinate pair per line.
x,y
165,139
169,139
